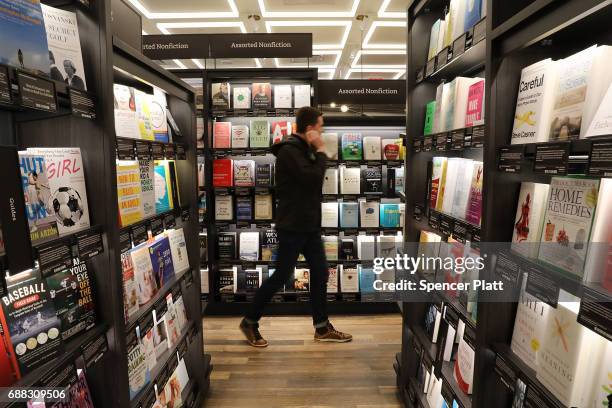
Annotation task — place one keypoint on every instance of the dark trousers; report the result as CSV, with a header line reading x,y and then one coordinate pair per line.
x,y
290,245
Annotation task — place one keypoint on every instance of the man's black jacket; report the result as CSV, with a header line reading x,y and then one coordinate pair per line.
x,y
299,173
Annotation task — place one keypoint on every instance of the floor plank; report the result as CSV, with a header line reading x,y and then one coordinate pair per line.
x,y
294,371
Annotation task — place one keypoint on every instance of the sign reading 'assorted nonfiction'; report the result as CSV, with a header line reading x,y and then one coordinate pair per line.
x,y
387,91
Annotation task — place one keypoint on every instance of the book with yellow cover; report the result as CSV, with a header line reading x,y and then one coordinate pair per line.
x,y
129,192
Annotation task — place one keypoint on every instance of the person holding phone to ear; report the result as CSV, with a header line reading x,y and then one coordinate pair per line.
x,y
299,172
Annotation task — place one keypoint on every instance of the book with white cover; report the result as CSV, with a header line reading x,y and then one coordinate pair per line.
x,y
241,97
249,246
369,214
460,104
64,47
454,171
224,207
447,106
600,79
332,278
330,181
371,148
350,180
437,121
534,102
462,190
434,394
263,206
463,372
240,137
442,34
143,274
458,18
433,40
601,124
429,246
366,247
449,342
126,121
244,173
349,280
529,218
567,355
147,187
598,265
204,284
599,396
529,323
330,246
330,143
282,96
329,215
178,248
301,95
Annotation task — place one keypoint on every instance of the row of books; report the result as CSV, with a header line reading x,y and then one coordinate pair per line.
x,y
148,344
457,348
145,188
147,267
247,207
566,99
341,279
257,135
263,246
570,360
363,213
366,180
139,115
39,313
259,95
53,181
242,173
456,188
458,104
353,146
567,225
461,16
77,396
42,39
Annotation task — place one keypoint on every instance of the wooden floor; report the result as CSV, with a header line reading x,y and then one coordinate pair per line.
x,y
294,371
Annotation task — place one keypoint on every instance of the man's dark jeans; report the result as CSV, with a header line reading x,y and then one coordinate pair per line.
x,y
290,245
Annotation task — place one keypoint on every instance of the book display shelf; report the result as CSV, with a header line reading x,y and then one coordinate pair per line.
x,y
535,128
67,196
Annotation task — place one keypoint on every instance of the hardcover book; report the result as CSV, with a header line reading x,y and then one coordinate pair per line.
x,y
349,280
130,291
473,11
432,51
601,124
330,246
143,115
126,121
158,108
269,245
366,246
163,187
301,280
66,176
263,174
252,278
24,40
178,248
244,173
600,79
329,214
390,215
260,133
244,208
226,245
220,92
227,280
283,95
31,327
223,173
463,371
64,47
391,149
301,95
399,180
240,136
143,272
224,208
456,167
138,371
129,193
371,148
332,279
330,181
598,266
433,317
147,187
204,284
350,180
352,148
262,95
474,114
222,135
366,279
372,181
473,211
263,206
161,260
529,218
534,102
37,194
280,129
437,121
462,190
249,246
369,213
349,215
242,97
569,215
330,143
430,111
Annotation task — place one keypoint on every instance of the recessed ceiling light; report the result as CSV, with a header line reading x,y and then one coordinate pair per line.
x,y
163,27
311,14
170,16
347,24
374,26
383,13
344,108
332,105
337,53
398,72
361,53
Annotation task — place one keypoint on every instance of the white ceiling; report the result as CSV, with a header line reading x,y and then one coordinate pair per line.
x,y
344,46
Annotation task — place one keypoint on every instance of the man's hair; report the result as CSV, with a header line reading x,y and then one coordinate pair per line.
x,y
306,116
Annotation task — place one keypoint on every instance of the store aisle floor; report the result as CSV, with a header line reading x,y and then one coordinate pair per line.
x,y
294,371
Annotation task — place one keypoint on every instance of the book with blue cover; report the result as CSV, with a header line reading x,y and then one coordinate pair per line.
x,y
390,215
473,11
349,215
23,43
163,188
161,259
244,208
366,279
352,146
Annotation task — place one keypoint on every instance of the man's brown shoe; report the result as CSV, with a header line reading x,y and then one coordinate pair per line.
x,y
251,332
332,335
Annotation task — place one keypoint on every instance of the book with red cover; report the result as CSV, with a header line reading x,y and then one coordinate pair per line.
x,y
222,135
474,114
223,173
7,372
280,129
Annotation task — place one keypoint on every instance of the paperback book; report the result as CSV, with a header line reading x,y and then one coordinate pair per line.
x,y
262,95
161,261
371,148
220,92
126,121
301,95
330,181
529,218
143,273
283,96
369,213
372,181
224,208
269,245
147,187
263,174
241,97
263,206
350,180
226,245
129,193
222,135
244,208
163,187
223,173
240,137
260,133
330,143
280,130
352,148
249,246
349,280
244,173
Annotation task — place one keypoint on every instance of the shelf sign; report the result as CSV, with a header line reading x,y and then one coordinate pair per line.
x,y
509,158
442,58
82,104
480,30
357,91
600,159
125,149
36,93
478,133
143,150
94,350
541,285
139,234
552,158
458,139
441,141
459,45
261,45
430,68
5,85
505,373
418,211
179,46
54,257
89,243
417,144
596,312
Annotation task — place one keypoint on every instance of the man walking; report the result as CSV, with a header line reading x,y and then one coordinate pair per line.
x,y
300,167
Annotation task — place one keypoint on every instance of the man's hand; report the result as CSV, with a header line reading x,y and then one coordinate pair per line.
x,y
314,139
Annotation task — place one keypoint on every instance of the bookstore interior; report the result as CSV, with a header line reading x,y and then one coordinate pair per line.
x,y
466,190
